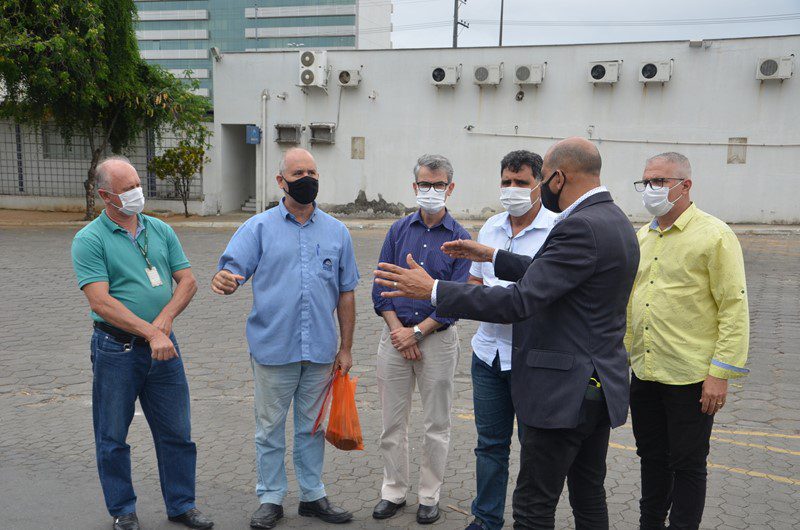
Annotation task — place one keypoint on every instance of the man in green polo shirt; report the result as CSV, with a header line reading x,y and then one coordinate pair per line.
x,y
127,265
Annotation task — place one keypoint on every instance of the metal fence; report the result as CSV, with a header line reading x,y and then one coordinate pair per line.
x,y
36,161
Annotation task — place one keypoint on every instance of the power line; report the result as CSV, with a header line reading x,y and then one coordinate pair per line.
x,y
590,23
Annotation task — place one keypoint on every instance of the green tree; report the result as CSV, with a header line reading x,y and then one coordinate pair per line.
x,y
180,164
75,64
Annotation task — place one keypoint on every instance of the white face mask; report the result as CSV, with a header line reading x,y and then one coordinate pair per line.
x,y
431,201
517,201
656,201
132,201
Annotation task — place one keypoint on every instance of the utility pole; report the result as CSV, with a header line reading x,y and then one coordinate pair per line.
x,y
501,21
457,22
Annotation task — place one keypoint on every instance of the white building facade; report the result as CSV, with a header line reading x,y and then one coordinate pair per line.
x,y
706,100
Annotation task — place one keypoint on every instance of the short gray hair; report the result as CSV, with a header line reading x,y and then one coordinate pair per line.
x,y
102,174
434,163
684,168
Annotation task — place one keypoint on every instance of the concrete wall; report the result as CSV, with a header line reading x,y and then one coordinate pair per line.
x,y
78,204
713,96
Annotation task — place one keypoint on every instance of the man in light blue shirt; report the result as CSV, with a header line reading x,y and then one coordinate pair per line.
x,y
521,229
302,268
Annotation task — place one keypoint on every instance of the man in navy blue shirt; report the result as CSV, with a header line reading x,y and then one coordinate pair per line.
x,y
417,345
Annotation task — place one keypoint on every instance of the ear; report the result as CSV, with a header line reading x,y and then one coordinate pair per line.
x,y
450,189
414,187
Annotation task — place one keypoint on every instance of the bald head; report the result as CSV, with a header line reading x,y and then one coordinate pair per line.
x,y
575,156
116,174
294,159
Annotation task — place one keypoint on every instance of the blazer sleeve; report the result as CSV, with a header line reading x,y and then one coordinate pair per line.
x,y
511,267
568,260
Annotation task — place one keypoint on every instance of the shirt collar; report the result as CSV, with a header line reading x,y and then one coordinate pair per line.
x,y
114,227
542,220
681,222
447,221
285,213
571,208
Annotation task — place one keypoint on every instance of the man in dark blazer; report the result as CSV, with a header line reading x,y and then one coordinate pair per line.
x,y
569,376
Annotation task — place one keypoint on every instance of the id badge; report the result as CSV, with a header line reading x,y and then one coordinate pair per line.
x,y
152,275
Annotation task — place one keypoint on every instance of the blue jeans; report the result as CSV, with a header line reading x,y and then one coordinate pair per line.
x,y
494,421
275,388
122,373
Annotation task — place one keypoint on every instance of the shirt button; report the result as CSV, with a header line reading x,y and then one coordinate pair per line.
x,y
646,328
415,313
647,305
422,263
647,351
424,246
661,235
651,281
655,259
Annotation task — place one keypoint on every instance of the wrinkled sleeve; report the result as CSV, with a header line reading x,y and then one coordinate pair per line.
x,y
727,281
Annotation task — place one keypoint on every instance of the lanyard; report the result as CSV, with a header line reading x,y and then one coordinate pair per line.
x,y
144,250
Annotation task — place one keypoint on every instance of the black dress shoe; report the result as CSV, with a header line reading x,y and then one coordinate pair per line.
x,y
428,514
476,524
266,516
193,519
386,509
126,522
326,511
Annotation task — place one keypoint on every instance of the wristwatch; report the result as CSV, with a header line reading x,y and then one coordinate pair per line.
x,y
417,333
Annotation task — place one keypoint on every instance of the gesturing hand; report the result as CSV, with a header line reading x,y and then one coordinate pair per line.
x,y
468,249
413,282
225,282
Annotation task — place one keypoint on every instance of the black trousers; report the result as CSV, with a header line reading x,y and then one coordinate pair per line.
x,y
549,456
672,440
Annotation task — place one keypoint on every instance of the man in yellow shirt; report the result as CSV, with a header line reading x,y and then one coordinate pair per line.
x,y
688,333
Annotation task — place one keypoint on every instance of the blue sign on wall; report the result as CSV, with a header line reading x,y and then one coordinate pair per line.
x,y
253,134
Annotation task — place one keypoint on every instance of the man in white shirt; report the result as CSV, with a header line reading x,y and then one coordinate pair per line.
x,y
521,229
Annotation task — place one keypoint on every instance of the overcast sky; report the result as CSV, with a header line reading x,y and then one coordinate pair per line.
x,y
576,21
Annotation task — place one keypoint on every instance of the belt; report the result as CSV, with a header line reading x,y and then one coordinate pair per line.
x,y
116,333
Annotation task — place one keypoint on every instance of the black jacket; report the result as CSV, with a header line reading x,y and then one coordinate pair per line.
x,y
568,308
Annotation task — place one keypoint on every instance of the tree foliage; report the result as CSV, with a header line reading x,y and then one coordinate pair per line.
x,y
180,164
75,64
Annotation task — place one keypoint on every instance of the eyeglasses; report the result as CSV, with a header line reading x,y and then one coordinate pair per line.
x,y
426,186
655,184
509,243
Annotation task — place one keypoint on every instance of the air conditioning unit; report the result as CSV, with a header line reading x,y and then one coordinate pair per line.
x,y
529,74
488,74
604,71
655,71
445,75
313,69
349,78
775,67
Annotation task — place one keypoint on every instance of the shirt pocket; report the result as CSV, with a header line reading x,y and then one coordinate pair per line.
x,y
327,265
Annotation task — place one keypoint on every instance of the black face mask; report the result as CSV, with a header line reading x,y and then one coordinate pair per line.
x,y
303,190
550,199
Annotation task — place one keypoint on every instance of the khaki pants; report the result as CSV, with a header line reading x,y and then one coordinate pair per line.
x,y
433,375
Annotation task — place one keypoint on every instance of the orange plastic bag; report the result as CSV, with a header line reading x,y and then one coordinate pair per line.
x,y
344,429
